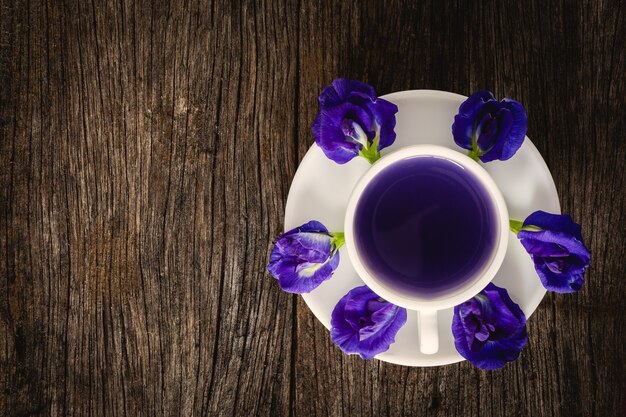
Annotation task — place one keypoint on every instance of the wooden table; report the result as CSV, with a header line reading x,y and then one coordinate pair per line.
x,y
146,152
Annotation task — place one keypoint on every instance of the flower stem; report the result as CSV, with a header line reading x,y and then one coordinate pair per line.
x,y
474,155
515,226
338,240
370,156
369,151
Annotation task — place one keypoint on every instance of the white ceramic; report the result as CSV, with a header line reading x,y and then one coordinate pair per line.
x,y
321,188
427,307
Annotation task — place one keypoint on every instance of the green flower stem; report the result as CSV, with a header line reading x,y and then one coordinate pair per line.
x,y
474,155
515,226
370,154
370,150
337,241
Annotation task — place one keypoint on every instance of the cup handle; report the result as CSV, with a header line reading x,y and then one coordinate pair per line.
x,y
427,330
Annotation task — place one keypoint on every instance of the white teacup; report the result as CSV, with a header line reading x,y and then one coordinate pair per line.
x,y
428,305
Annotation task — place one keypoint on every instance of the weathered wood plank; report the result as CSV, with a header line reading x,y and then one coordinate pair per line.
x,y
146,151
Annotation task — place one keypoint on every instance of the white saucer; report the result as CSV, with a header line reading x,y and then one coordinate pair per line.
x,y
321,188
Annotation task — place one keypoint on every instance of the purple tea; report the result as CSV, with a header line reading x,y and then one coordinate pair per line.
x,y
425,225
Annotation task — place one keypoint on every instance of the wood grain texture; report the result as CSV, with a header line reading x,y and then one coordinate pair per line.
x,y
146,152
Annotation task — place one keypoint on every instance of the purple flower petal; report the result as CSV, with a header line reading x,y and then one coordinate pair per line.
x,y
487,132
567,243
350,117
303,278
349,114
536,247
512,125
341,91
557,250
465,121
556,222
379,320
509,315
311,226
303,258
499,126
558,282
462,129
490,329
365,324
494,355
314,247
474,103
517,132
331,139
385,117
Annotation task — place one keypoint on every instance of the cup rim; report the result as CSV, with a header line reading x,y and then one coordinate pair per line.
x,y
474,286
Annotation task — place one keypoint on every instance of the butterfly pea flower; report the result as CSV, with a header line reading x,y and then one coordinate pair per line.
x,y
556,246
305,257
365,324
352,121
490,329
488,128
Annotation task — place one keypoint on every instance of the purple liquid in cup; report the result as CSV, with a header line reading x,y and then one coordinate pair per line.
x,y
425,226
